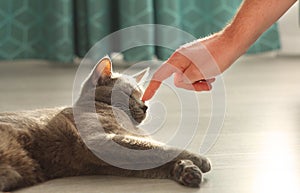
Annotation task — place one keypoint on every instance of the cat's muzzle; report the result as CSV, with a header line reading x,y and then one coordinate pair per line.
x,y
144,108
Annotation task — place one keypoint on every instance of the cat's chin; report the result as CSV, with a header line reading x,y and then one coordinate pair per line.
x,y
138,119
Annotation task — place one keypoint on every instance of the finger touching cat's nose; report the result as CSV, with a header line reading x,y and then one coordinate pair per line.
x,y
151,89
163,72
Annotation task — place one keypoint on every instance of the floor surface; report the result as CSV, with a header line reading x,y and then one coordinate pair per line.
x,y
257,149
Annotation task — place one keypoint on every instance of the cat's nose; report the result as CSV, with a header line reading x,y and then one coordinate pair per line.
x,y
144,108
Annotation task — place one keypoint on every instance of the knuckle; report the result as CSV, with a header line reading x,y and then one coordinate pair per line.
x,y
155,76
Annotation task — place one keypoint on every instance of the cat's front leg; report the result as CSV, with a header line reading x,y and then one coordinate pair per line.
x,y
180,165
162,152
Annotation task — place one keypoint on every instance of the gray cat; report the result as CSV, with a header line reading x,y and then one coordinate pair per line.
x,y
41,145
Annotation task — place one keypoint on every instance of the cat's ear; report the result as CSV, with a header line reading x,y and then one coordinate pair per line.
x,y
141,76
102,70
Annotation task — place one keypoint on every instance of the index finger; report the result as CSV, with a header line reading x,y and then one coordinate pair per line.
x,y
164,71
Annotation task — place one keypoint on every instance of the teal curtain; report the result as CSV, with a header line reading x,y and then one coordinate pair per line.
x,y
36,29
63,29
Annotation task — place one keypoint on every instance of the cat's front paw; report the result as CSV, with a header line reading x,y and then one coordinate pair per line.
x,y
187,173
202,162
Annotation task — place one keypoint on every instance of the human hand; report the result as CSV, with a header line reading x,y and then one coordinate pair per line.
x,y
193,66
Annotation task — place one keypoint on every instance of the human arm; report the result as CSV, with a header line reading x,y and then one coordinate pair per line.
x,y
251,20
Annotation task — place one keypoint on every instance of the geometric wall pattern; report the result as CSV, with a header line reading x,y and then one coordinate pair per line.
x,y
36,29
61,29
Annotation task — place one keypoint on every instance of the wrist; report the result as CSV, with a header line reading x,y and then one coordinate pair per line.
x,y
223,48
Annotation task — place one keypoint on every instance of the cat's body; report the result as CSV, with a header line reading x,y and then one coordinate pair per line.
x,y
40,145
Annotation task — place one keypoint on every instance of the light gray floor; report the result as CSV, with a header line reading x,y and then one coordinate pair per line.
x,y
257,149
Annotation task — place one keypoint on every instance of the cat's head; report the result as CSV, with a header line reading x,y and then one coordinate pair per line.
x,y
118,90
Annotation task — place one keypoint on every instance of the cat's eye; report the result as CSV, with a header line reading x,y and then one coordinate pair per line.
x,y
136,94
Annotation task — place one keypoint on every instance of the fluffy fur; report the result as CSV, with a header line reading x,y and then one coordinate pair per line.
x,y
41,145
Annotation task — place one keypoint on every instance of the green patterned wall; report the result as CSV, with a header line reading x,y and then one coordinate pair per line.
x,y
36,29
61,29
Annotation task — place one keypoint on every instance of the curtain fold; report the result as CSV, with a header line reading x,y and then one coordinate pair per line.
x,y
62,29
135,12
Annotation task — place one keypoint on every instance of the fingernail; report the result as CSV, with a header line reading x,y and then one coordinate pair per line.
x,y
146,97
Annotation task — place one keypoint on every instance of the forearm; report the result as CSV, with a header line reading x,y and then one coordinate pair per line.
x,y
252,19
